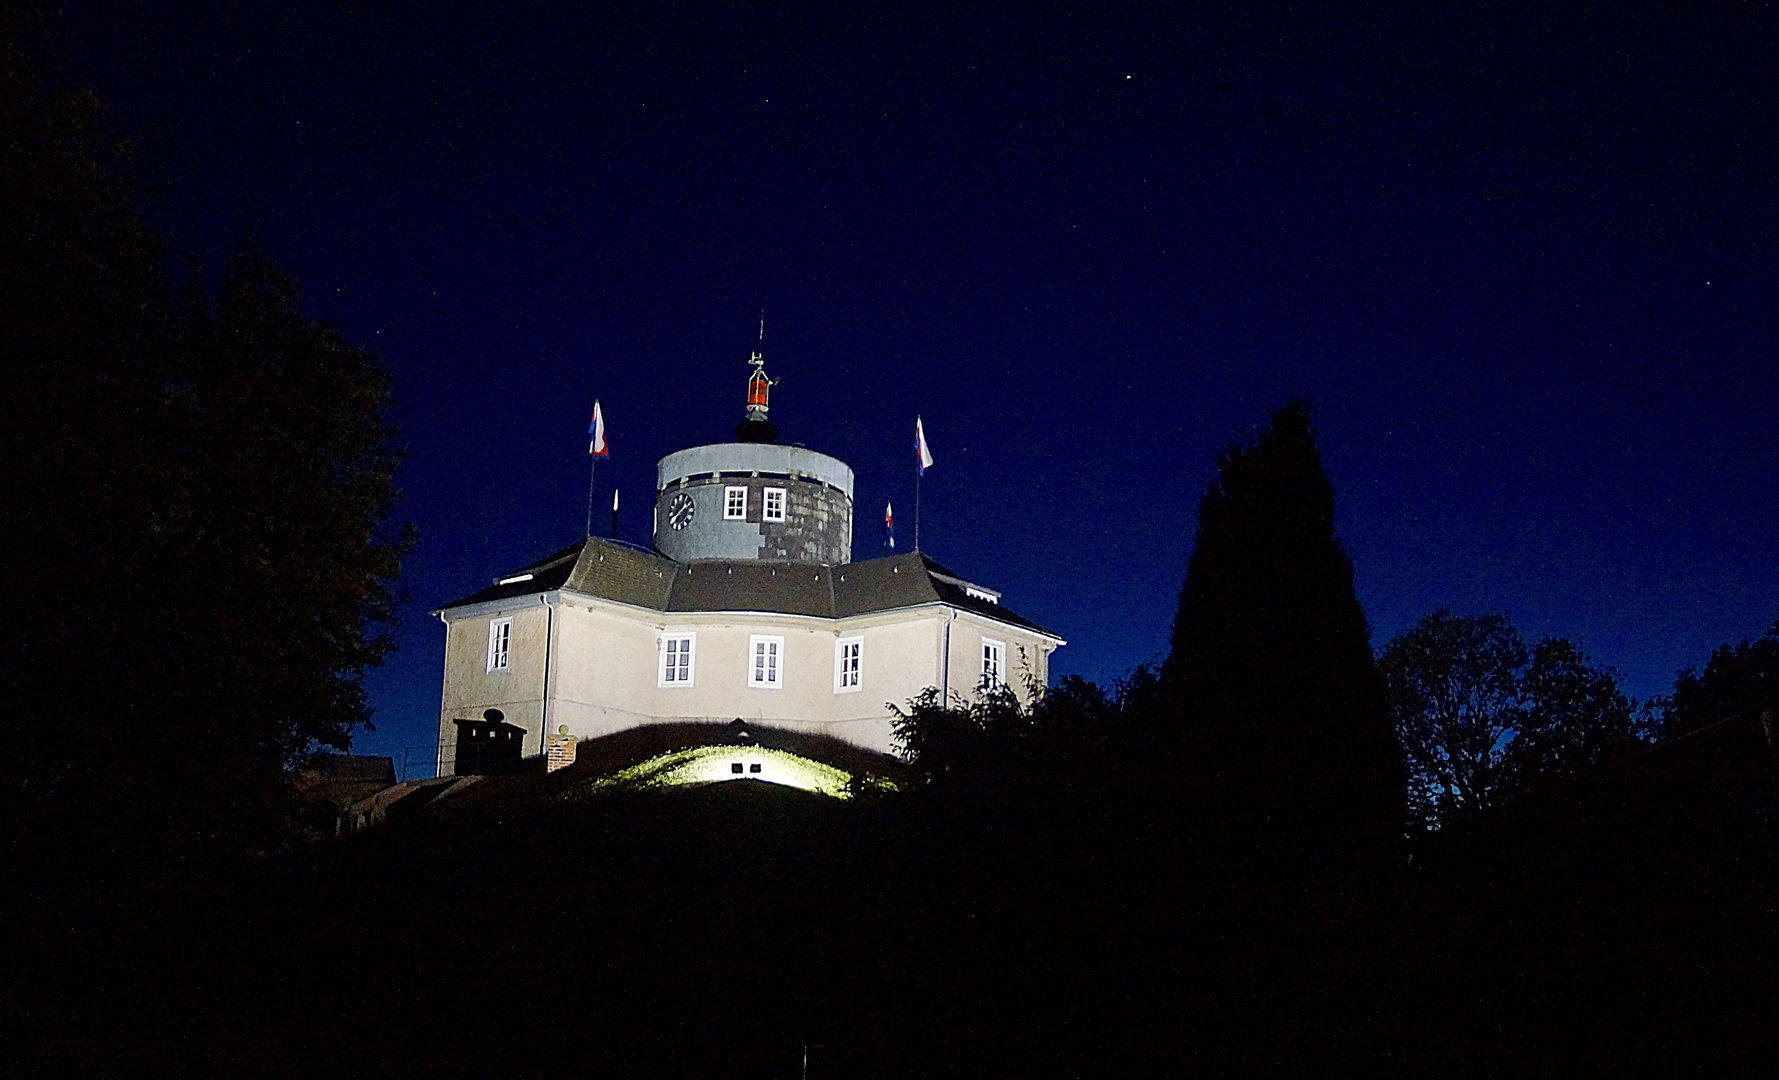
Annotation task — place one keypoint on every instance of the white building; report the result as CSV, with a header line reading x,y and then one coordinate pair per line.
x,y
750,607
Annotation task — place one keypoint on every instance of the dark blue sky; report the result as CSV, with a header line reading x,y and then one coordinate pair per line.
x,y
1524,262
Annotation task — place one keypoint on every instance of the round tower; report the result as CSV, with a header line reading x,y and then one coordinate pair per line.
x,y
754,499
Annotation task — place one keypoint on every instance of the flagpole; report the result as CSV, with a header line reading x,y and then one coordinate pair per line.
x,y
918,473
593,470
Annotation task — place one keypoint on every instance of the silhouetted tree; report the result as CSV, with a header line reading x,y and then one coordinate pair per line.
x,y
946,740
1739,682
1075,730
193,497
1577,719
82,351
1271,672
1482,718
273,536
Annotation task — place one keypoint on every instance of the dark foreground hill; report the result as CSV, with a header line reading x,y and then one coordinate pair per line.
x,y
702,932
1624,925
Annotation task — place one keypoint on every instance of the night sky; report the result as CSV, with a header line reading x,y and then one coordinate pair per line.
x,y
1524,262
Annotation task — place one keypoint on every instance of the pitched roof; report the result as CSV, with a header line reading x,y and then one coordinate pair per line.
x,y
544,575
624,574
752,585
612,571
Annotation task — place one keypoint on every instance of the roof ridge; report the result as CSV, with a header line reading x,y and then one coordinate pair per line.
x,y
572,551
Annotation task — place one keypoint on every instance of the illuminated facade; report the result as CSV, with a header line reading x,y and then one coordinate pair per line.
x,y
749,607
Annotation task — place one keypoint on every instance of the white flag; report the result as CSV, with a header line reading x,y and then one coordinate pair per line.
x,y
596,428
920,446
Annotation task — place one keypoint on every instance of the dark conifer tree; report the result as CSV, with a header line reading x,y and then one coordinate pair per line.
x,y
1271,674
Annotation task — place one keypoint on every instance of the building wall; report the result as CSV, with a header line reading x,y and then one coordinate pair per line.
x,y
818,519
1027,656
817,528
608,670
605,669
606,665
470,688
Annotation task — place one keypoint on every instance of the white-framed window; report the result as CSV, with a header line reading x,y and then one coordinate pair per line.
x,y
848,657
676,659
500,641
766,665
735,502
994,662
772,507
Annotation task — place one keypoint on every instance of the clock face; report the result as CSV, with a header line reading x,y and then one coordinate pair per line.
x,y
680,511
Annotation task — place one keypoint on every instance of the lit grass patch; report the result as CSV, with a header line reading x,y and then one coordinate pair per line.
x,y
715,764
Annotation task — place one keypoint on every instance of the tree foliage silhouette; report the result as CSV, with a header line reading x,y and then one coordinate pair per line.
x,y
1740,682
81,337
192,542
1483,718
1073,741
1271,671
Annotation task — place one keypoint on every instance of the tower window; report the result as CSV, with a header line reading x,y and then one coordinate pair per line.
x,y
676,660
994,662
767,669
773,509
848,652
735,503
500,639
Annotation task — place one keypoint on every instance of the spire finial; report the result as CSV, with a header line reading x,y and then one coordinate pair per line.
x,y
756,428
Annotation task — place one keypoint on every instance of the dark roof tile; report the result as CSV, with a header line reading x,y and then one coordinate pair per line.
x,y
896,581
546,574
751,585
624,574
618,572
